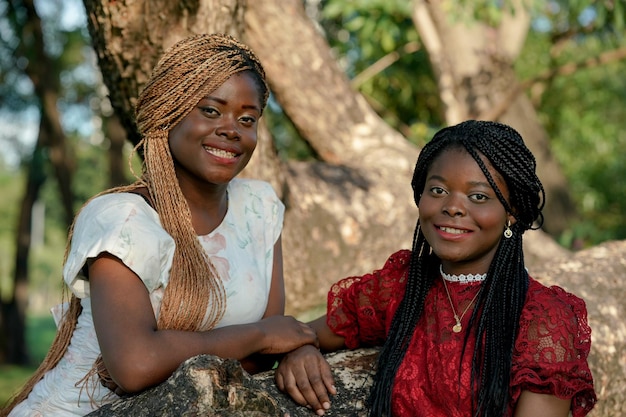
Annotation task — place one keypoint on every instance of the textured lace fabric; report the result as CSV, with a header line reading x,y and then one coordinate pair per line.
x,y
550,354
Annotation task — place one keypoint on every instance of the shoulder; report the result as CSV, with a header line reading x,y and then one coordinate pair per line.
x,y
554,320
124,225
391,275
399,260
113,206
552,347
246,187
551,299
255,199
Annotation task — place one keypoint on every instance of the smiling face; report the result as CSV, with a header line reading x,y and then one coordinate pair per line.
x,y
216,140
460,214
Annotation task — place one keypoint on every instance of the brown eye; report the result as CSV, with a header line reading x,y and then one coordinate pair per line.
x,y
479,197
437,190
209,111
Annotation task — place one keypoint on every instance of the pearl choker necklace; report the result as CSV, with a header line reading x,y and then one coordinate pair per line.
x,y
463,279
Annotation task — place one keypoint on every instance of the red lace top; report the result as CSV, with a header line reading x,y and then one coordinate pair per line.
x,y
550,355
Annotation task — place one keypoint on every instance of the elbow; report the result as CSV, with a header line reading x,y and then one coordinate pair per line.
x,y
134,376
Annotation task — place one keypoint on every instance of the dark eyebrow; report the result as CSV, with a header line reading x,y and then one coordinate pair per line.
x,y
472,183
223,102
219,100
480,184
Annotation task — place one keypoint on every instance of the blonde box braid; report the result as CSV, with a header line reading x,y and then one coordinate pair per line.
x,y
194,298
190,70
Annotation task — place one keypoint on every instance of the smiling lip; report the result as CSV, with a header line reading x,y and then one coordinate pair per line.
x,y
452,232
220,153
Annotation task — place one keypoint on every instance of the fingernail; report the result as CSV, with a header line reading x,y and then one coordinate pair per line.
x,y
326,405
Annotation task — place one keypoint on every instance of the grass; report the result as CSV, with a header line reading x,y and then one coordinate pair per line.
x,y
40,331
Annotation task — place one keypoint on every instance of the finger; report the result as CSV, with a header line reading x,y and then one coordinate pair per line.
x,y
280,382
291,388
318,396
317,401
328,378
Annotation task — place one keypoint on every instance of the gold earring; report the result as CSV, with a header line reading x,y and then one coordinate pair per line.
x,y
508,232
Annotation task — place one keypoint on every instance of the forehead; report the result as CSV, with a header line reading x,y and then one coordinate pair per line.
x,y
457,163
240,88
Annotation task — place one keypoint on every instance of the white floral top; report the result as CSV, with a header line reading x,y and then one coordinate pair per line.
x,y
241,248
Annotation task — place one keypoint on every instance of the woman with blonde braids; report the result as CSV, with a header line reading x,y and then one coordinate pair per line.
x,y
185,261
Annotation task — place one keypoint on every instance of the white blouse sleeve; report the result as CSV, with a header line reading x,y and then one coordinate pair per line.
x,y
125,226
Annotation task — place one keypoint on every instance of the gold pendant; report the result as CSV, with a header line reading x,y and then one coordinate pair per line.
x,y
457,327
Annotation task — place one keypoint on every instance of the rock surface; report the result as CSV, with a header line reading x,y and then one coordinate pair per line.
x,y
598,276
210,386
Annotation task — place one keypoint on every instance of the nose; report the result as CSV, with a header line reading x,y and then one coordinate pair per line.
x,y
228,128
454,206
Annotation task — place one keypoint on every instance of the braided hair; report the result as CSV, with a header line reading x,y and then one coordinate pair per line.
x,y
194,298
187,72
503,292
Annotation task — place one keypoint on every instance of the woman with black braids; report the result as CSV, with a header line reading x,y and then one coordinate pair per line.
x,y
464,330
185,261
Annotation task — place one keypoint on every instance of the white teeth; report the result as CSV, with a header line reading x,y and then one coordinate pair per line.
x,y
219,152
453,231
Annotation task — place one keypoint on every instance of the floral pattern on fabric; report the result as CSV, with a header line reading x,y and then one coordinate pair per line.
x,y
550,354
241,247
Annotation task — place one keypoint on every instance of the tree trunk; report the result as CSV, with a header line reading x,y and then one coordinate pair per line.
x,y
350,210
129,36
347,211
116,134
473,64
15,309
337,208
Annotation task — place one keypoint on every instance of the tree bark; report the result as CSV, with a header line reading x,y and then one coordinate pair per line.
x,y
129,36
116,134
345,212
338,207
473,63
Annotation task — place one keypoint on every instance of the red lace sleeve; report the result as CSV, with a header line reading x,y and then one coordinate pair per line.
x,y
551,349
361,308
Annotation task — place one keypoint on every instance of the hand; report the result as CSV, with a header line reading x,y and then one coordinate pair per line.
x,y
305,375
285,333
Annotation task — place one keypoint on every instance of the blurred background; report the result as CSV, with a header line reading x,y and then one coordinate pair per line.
x,y
60,141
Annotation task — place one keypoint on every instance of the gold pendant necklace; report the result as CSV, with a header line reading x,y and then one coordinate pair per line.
x,y
458,326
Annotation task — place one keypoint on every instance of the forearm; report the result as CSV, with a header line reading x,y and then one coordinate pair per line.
x,y
541,405
151,358
329,341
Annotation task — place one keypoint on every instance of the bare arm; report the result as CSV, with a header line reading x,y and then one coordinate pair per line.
x,y
541,405
329,341
138,355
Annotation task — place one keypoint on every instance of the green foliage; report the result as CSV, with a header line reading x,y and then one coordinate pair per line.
x,y
403,93
583,113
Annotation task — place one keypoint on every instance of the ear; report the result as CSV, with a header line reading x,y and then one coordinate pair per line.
x,y
510,218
